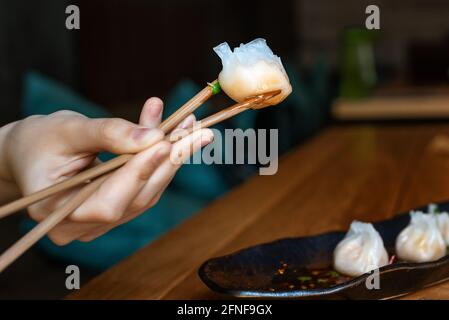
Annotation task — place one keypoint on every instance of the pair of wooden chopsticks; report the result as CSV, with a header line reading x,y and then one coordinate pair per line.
x,y
102,171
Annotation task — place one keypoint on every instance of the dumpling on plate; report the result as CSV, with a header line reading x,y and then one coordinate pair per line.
x,y
361,250
252,69
421,240
442,221
443,225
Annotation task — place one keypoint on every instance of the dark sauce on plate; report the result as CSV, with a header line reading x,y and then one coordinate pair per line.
x,y
292,278
289,278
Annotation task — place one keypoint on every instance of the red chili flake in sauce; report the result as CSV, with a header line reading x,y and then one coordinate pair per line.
x,y
392,259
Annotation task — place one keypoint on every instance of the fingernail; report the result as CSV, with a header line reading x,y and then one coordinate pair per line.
x,y
155,110
206,138
187,122
178,134
147,136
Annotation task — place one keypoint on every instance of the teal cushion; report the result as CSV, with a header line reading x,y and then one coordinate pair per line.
x,y
44,96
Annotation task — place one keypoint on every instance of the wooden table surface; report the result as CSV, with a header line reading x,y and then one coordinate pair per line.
x,y
347,172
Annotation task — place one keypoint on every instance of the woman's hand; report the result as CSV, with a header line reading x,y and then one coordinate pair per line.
x,y
42,150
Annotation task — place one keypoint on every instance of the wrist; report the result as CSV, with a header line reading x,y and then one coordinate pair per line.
x,y
5,172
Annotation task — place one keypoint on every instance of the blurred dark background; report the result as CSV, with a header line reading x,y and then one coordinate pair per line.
x,y
127,51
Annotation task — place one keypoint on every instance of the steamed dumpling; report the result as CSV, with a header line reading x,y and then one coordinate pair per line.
x,y
421,240
252,69
443,226
442,221
361,250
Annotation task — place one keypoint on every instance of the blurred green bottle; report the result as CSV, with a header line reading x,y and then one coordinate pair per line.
x,y
358,70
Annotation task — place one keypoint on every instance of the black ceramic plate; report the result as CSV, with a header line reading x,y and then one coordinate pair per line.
x,y
254,272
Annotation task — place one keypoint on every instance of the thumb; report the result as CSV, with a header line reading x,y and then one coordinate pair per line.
x,y
114,135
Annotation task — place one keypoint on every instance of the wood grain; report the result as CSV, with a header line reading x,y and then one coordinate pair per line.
x,y
434,106
354,172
